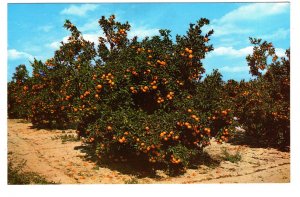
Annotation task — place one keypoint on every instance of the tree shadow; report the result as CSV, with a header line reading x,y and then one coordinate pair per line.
x,y
140,168
137,168
204,159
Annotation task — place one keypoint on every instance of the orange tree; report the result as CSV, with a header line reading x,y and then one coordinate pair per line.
x,y
18,93
263,104
139,98
57,84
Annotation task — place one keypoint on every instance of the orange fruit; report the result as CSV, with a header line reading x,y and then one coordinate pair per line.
x,y
163,63
99,86
109,128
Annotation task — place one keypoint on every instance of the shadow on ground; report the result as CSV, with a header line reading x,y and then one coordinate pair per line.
x,y
142,168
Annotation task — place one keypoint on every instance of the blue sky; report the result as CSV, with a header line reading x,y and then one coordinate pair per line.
x,y
35,30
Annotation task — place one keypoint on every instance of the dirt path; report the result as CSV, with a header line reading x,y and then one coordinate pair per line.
x,y
65,162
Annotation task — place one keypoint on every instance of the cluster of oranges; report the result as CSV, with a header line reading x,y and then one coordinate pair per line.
x,y
109,79
122,31
160,100
144,89
133,90
170,135
85,94
174,160
162,63
170,95
187,52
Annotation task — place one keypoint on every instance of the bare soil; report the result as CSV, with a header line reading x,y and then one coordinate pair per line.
x,y
67,163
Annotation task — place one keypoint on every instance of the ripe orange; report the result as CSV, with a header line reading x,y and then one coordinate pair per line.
x,y
163,63
109,128
99,86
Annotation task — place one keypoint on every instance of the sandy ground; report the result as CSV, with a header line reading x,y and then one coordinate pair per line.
x,y
66,163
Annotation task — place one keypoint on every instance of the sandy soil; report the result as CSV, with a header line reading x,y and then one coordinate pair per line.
x,y
66,163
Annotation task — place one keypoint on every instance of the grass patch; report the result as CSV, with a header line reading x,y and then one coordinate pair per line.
x,y
132,181
16,176
233,158
66,138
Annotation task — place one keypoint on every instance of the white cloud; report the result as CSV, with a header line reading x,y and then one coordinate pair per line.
x,y
93,37
79,10
279,34
254,11
46,28
14,54
228,28
234,69
227,24
243,52
142,32
280,52
90,26
56,44
231,52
